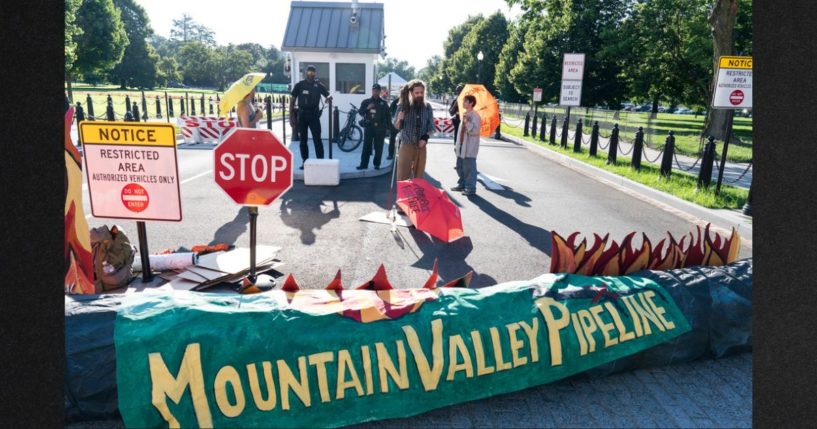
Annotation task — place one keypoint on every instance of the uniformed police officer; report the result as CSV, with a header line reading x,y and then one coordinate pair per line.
x,y
375,112
308,93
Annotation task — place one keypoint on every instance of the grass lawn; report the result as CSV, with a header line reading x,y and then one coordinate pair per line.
x,y
687,129
99,95
680,184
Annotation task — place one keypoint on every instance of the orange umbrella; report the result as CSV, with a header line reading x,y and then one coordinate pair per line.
x,y
429,209
487,107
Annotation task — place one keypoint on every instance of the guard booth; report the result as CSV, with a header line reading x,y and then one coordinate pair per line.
x,y
342,41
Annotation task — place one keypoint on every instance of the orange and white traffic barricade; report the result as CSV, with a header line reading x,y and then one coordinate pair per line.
x,y
208,130
190,131
443,126
225,125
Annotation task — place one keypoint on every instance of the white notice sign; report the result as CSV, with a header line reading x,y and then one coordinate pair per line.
x,y
572,76
733,88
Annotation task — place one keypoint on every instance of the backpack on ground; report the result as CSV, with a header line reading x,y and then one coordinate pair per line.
x,y
113,256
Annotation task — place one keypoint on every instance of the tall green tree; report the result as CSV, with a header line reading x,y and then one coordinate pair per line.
x,y
186,30
72,32
487,36
391,64
139,65
229,64
195,61
441,79
430,74
102,42
507,59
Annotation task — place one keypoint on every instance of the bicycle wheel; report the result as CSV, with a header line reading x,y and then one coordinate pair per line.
x,y
355,137
342,140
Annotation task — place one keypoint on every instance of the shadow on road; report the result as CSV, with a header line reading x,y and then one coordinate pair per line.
x,y
537,237
450,256
306,213
509,193
230,231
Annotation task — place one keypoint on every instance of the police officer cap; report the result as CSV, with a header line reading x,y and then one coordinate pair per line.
x,y
376,86
310,67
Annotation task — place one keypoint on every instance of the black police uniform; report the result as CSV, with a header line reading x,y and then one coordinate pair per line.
x,y
308,95
454,110
375,112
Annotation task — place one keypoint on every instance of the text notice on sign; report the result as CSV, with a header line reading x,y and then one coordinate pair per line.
x,y
132,170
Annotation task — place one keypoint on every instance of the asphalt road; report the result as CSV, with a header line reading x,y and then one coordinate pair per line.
x,y
508,238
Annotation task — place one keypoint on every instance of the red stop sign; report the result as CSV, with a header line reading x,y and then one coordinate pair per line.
x,y
252,166
736,97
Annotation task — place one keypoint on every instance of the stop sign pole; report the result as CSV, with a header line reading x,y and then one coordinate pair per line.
x,y
253,168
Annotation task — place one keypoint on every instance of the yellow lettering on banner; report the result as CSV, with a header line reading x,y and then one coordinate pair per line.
x,y
228,374
479,352
165,385
345,364
578,328
531,331
319,360
588,326
255,387
501,365
639,332
647,316
287,382
659,311
554,325
623,335
385,365
516,345
429,374
457,346
605,327
367,369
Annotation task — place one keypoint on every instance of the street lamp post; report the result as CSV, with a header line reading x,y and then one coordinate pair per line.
x,y
479,66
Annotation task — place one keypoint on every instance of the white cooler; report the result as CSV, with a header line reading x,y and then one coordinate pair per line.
x,y
322,172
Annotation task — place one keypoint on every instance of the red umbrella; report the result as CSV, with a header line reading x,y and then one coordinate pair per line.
x,y
429,209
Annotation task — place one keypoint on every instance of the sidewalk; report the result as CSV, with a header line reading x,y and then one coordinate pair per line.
x,y
731,175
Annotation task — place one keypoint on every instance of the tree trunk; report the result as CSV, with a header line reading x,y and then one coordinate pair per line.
x,y
70,90
722,23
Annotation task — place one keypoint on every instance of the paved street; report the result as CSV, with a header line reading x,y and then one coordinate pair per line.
x,y
508,238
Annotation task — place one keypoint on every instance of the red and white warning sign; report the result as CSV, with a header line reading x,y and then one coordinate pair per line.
x,y
132,170
733,88
572,77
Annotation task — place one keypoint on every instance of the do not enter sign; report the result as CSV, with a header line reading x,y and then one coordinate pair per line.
x,y
736,97
252,166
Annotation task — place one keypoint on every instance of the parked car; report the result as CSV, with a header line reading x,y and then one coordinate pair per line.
x,y
684,111
173,84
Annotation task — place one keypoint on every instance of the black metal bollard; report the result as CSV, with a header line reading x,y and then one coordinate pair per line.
x,y
158,108
533,126
284,120
564,133
612,151
332,122
181,106
80,113
192,107
747,208
169,103
268,102
188,104
527,124
335,124
144,107
218,105
553,131
543,129
666,160
210,102
594,139
638,149
202,104
127,104
577,138
90,103
497,133
109,110
705,173
135,112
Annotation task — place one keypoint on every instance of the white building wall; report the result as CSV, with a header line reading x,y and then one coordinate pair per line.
x,y
340,100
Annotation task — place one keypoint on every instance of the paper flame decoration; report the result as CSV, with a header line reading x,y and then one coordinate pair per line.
x,y
618,260
374,300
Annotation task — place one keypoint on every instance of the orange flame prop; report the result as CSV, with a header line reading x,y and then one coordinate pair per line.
x,y
79,275
618,260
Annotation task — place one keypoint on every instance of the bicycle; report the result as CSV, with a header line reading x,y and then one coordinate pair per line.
x,y
350,136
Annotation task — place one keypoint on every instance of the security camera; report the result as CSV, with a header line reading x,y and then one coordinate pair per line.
x,y
353,19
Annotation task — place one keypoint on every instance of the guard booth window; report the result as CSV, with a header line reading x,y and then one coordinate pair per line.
x,y
351,78
321,72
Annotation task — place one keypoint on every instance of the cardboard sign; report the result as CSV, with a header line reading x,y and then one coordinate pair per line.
x,y
733,87
132,170
572,76
328,358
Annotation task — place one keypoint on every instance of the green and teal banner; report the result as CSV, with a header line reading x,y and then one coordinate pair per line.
x,y
325,358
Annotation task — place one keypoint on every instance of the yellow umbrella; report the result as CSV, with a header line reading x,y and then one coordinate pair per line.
x,y
238,90
487,107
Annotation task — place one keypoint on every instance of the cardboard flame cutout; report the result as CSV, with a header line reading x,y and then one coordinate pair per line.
x,y
619,260
79,275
